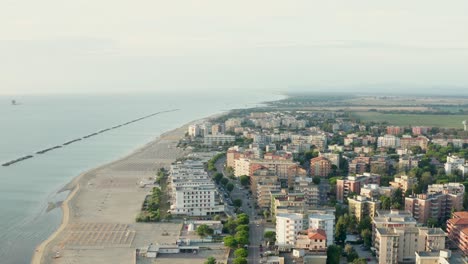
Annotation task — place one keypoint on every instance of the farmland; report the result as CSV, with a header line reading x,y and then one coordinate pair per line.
x,y
447,121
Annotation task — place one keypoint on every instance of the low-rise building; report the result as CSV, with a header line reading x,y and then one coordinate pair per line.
x,y
457,229
314,240
434,257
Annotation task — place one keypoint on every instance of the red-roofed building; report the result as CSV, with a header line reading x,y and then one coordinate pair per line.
x,y
312,240
457,229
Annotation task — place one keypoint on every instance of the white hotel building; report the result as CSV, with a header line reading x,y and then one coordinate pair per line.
x,y
193,192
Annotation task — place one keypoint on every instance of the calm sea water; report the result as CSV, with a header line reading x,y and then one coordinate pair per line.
x,y
39,122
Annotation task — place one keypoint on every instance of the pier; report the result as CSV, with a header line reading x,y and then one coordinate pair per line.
x,y
83,138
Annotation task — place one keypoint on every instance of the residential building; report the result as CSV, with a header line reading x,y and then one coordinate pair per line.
x,y
319,141
394,130
362,206
359,165
218,139
407,142
288,227
442,256
283,201
334,158
352,184
312,240
388,141
315,194
455,163
399,244
194,130
320,167
392,218
437,203
420,130
404,182
457,229
325,222
375,191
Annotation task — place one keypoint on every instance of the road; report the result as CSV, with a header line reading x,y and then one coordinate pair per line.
x,y
256,224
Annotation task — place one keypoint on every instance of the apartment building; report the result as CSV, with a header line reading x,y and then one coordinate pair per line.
x,y
388,141
320,167
218,139
407,142
315,194
325,222
319,141
352,184
359,165
455,163
457,229
399,244
437,203
404,182
284,201
194,130
392,218
420,130
394,130
361,206
334,158
288,227
442,256
262,183
375,191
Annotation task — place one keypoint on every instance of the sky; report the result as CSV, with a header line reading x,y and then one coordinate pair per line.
x,y
89,46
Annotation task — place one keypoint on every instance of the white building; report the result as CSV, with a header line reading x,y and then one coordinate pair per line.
x,y
325,222
194,130
194,193
241,167
218,139
455,163
388,141
287,228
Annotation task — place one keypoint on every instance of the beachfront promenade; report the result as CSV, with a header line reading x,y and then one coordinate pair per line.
x,y
99,215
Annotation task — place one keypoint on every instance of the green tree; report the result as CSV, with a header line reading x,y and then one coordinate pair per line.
x,y
230,187
340,230
316,180
270,236
243,219
217,177
242,228
365,223
333,254
210,260
385,202
242,237
224,181
230,225
244,180
230,241
241,252
204,230
239,261
359,261
366,235
237,202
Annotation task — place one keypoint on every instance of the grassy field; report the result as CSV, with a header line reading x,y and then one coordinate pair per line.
x,y
448,121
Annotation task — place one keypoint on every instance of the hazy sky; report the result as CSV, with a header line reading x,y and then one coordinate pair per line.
x,y
66,46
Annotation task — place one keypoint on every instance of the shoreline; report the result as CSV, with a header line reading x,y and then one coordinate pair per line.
x,y
74,186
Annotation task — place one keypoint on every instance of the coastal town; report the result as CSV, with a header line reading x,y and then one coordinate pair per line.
x,y
285,186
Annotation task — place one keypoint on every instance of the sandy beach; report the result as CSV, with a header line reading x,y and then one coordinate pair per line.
x,y
98,224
